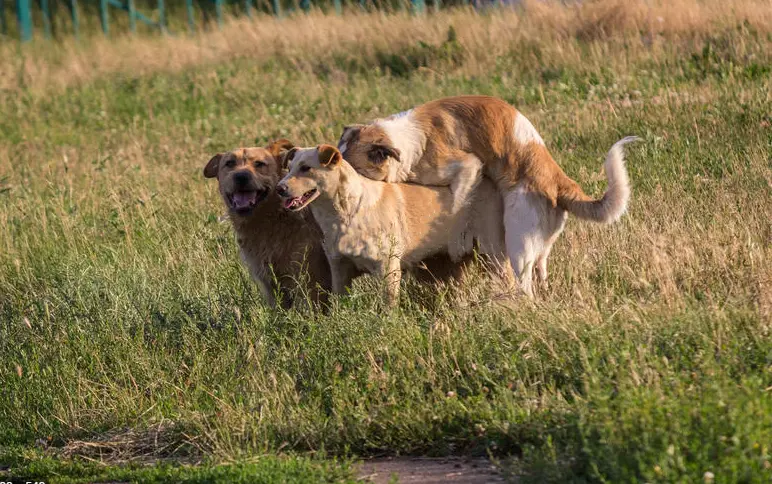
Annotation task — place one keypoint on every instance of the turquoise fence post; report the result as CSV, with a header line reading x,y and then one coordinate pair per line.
x,y
191,19
418,6
276,7
45,10
338,7
24,15
305,5
132,16
218,11
248,8
104,16
75,19
363,4
161,16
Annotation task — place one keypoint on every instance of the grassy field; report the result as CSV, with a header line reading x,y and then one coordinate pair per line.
x,y
131,334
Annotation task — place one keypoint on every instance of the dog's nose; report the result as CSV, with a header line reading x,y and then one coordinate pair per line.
x,y
241,178
282,190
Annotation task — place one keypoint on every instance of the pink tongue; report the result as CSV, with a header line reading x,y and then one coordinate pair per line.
x,y
243,200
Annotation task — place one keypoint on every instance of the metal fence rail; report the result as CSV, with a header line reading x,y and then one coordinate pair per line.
x,y
23,10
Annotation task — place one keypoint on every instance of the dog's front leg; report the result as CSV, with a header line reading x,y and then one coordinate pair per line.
x,y
342,272
391,271
267,291
263,276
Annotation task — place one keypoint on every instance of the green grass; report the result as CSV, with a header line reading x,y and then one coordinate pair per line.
x,y
131,333
32,465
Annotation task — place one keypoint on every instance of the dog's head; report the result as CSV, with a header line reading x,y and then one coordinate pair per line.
x,y
312,172
247,175
368,148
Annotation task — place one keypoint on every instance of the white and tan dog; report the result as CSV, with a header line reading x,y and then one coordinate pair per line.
x,y
381,227
454,141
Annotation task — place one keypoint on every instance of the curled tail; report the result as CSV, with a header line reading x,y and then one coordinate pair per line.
x,y
613,204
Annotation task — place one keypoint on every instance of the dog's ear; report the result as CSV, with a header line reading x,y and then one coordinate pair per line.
x,y
328,155
211,168
351,131
379,153
288,156
350,135
279,146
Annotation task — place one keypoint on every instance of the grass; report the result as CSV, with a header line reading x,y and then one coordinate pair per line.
x,y
131,333
34,465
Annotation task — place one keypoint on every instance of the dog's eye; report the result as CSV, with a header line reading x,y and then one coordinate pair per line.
x,y
259,164
377,156
230,163
305,169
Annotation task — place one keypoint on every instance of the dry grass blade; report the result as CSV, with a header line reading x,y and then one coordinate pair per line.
x,y
150,444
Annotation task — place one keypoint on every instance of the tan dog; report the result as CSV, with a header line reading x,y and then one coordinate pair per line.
x,y
380,227
279,247
276,245
454,141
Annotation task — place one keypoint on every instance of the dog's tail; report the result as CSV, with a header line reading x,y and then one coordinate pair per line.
x,y
613,204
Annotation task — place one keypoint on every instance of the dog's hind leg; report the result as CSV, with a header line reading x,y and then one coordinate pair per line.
x,y
557,223
465,174
524,233
465,171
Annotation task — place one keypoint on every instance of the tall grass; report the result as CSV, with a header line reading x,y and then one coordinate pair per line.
x,y
130,331
538,32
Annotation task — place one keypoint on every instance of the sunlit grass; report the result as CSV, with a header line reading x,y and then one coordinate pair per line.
x,y
124,310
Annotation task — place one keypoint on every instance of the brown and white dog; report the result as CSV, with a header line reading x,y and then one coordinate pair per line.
x,y
454,141
278,247
381,227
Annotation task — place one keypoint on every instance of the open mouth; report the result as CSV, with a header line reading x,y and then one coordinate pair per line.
x,y
243,202
297,203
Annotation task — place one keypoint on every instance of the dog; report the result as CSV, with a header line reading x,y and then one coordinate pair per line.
x,y
380,227
455,141
276,245
279,247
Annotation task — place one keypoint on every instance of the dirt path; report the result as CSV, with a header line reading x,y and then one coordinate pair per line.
x,y
429,470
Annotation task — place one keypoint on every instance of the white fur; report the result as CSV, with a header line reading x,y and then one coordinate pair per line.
x,y
531,226
614,202
525,132
408,138
399,115
618,191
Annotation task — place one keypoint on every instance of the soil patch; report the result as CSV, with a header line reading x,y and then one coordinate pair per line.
x,y
429,470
